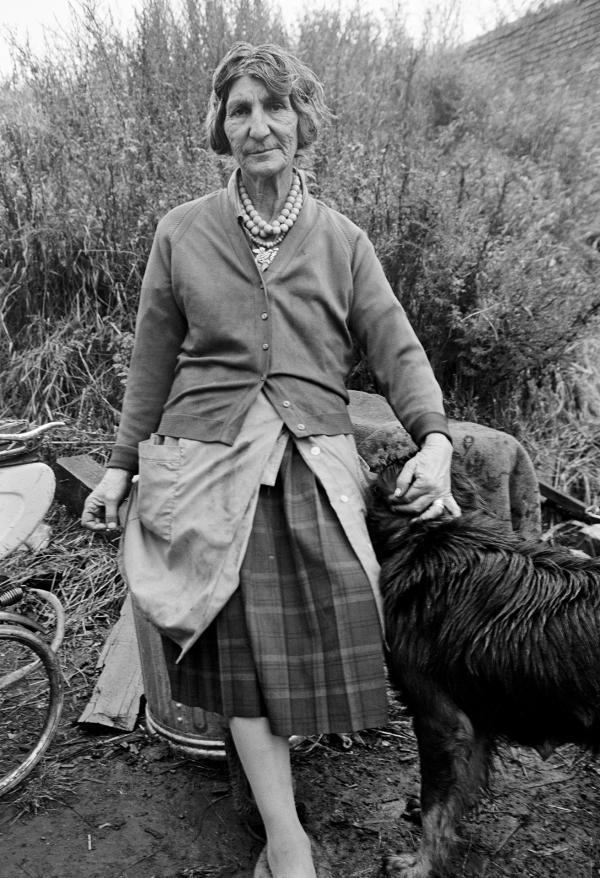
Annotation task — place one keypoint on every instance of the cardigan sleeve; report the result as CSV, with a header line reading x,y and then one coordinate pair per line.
x,y
160,330
394,352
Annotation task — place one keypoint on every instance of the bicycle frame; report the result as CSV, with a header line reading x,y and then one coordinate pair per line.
x,y
26,492
31,625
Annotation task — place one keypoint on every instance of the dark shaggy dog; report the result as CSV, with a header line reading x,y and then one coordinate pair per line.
x,y
491,638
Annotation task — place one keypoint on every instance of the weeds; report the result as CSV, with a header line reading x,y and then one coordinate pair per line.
x,y
477,199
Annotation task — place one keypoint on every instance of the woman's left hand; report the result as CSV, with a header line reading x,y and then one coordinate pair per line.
x,y
423,486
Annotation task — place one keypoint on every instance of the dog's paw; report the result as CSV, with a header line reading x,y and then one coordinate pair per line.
x,y
405,866
412,811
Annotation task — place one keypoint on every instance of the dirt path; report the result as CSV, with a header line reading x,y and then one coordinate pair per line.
x,y
130,808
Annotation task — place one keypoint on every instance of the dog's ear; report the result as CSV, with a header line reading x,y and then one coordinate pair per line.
x,y
463,488
386,480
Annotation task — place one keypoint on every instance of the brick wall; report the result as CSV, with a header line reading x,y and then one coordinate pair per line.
x,y
560,44
557,50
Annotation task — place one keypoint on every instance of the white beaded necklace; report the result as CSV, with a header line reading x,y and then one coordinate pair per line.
x,y
267,236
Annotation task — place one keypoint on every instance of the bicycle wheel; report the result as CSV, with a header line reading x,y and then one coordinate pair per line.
x,y
30,703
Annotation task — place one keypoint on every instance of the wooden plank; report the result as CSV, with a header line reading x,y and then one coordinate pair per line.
x,y
573,507
76,476
115,701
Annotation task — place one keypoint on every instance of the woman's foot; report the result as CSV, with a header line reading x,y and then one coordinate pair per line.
x,y
286,858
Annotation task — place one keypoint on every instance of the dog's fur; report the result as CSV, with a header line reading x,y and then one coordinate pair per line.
x,y
490,638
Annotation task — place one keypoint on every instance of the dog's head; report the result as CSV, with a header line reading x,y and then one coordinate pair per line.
x,y
386,524
419,559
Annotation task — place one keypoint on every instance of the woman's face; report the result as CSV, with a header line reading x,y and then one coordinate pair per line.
x,y
262,129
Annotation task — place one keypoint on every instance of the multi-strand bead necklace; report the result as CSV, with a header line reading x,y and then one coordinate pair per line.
x,y
265,236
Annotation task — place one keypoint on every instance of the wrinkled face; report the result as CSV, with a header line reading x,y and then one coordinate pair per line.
x,y
262,129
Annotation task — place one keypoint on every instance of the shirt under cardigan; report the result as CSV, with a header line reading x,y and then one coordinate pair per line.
x,y
225,355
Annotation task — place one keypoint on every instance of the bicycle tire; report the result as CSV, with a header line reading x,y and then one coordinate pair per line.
x,y
27,742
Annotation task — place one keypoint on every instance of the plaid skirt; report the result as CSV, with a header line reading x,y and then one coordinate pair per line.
x,y
300,640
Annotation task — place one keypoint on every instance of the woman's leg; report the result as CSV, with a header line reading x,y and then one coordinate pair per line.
x,y
266,761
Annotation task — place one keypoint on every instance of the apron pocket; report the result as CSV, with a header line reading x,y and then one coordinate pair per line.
x,y
159,464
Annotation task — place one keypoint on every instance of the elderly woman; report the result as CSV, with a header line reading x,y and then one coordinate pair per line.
x,y
246,541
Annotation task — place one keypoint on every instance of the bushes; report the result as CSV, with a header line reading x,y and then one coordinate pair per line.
x,y
472,196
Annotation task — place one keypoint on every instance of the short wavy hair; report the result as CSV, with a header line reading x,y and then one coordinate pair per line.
x,y
283,75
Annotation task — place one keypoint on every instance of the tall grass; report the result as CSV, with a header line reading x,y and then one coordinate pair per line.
x,y
476,198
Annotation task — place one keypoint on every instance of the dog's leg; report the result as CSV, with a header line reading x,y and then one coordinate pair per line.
x,y
454,764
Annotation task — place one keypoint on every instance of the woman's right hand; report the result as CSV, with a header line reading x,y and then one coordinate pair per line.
x,y
100,510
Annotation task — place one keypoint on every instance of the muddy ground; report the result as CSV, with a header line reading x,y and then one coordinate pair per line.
x,y
126,806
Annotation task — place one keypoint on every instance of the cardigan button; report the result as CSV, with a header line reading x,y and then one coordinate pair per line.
x,y
265,347
264,316
286,403
301,426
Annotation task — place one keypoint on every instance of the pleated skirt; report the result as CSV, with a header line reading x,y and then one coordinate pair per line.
x,y
300,640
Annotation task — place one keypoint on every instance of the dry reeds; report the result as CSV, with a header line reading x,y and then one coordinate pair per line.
x,y
474,196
